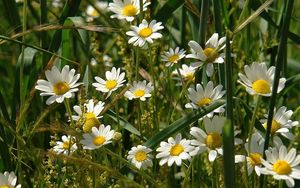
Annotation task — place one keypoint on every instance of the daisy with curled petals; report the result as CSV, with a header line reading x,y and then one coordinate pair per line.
x,y
8,180
254,156
126,9
210,54
144,33
97,138
140,156
66,147
211,139
174,151
173,56
282,165
201,97
259,79
187,72
90,116
114,80
59,85
139,90
281,123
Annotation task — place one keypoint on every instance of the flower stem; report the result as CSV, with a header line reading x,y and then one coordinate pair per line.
x,y
68,108
252,123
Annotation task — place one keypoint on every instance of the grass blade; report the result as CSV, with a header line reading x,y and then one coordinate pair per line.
x,y
181,123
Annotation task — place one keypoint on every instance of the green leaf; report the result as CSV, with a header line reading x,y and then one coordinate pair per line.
x,y
181,123
167,9
125,124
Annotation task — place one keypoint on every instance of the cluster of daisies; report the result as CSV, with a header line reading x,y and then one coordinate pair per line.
x,y
257,80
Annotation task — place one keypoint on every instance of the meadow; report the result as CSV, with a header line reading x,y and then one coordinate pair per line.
x,y
146,93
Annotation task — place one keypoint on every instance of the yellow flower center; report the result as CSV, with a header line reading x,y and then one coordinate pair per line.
x,y
90,122
129,10
61,88
140,156
110,84
173,58
281,167
203,101
261,86
189,77
145,32
95,13
255,159
211,54
139,93
4,186
99,140
66,145
176,150
213,140
274,127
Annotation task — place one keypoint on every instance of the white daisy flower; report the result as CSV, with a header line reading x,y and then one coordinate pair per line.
x,y
201,97
254,156
187,72
173,56
139,90
126,9
282,165
259,80
59,85
281,123
208,56
57,3
144,33
114,80
67,146
211,139
140,156
97,138
174,151
90,116
8,180
92,12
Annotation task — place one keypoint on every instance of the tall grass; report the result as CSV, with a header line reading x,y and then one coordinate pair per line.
x,y
37,35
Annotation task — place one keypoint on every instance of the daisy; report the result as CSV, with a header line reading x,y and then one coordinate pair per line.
x,y
282,165
259,80
92,12
8,180
202,97
140,156
208,56
281,122
59,85
254,156
114,80
211,139
144,33
174,151
126,9
90,116
139,90
187,72
173,56
97,138
66,147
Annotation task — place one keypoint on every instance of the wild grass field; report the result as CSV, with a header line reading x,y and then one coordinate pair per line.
x,y
131,93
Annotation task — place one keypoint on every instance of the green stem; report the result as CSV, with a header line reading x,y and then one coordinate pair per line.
x,y
155,114
280,184
252,123
68,108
